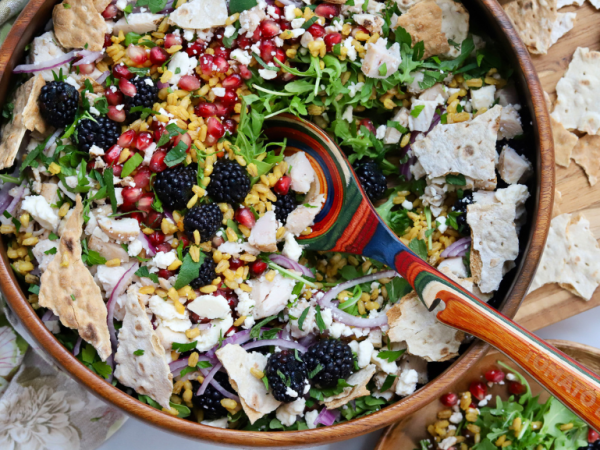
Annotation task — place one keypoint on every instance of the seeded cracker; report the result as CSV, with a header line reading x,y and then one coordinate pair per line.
x,y
577,106
571,257
533,20
468,148
411,322
255,399
358,381
78,25
423,22
587,154
147,374
564,143
69,290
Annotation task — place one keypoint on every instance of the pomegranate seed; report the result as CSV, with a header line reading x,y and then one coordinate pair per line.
x,y
90,165
137,216
223,52
153,219
186,138
172,39
593,435
285,25
327,10
206,64
117,169
164,273
145,202
107,40
157,162
256,35
118,115
449,399
142,177
137,54
258,267
121,71
110,12
158,56
205,109
217,241
283,185
368,124
223,110
269,29
214,128
196,48
332,39
127,87
244,217
159,129
233,81
229,98
288,77
221,64
86,69
131,195
316,30
280,55
112,155
516,388
235,263
245,73
189,83
267,50
114,97
478,390
357,29
494,375
243,42
230,126
126,139
157,238
143,140
185,240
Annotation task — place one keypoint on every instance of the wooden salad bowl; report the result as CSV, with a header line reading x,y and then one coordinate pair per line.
x,y
407,433
514,287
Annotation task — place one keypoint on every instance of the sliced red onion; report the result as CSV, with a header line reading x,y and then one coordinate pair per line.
x,y
111,362
112,301
48,316
224,391
456,247
276,342
208,379
288,263
162,85
284,334
17,198
51,64
177,366
349,319
51,141
238,338
87,57
77,346
307,340
147,245
102,78
327,417
464,250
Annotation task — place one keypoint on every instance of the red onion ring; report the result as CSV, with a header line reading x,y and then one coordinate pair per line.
x,y
208,379
77,346
349,319
278,342
51,141
308,340
17,198
238,338
288,263
464,250
456,247
5,198
147,245
87,57
162,85
48,316
102,78
224,391
51,64
112,301
327,417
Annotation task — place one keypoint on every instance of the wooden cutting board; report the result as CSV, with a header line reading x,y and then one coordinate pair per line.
x,y
551,304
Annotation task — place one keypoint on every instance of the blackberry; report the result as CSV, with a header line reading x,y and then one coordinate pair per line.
x,y
229,182
205,218
101,132
371,179
207,272
286,374
284,205
174,186
461,206
146,96
58,102
336,361
210,401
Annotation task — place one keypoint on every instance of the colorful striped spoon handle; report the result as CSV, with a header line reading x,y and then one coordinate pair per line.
x,y
574,385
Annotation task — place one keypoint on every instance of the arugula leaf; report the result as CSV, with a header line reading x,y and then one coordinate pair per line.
x,y
176,155
102,369
319,319
419,247
189,270
397,220
183,411
383,70
397,288
143,272
255,332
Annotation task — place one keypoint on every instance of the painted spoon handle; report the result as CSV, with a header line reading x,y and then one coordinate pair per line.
x,y
574,385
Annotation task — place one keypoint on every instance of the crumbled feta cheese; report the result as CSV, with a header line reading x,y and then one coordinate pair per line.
x,y
407,204
290,12
297,32
135,248
292,393
184,63
407,382
311,418
229,31
365,350
41,211
352,53
383,364
297,23
162,260
456,417
291,248
267,74
96,151
483,97
210,306
149,81
288,412
380,132
354,88
219,91
347,116
241,56
511,377
442,226
447,443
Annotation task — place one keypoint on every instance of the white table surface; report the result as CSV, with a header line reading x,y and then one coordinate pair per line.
x,y
136,435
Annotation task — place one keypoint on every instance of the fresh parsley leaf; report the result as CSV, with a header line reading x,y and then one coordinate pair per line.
x,y
397,288
319,319
315,371
303,318
456,180
102,369
189,270
419,247
138,352
143,272
101,104
383,70
391,355
182,348
416,111
51,251
110,187
34,289
155,6
177,154
238,6
255,332
131,164
389,380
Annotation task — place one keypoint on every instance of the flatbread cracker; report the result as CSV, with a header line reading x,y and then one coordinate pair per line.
x,y
577,106
78,25
587,155
32,119
410,321
571,257
69,290
359,381
533,20
423,22
564,143
556,209
455,24
148,374
564,23
101,5
468,148
255,399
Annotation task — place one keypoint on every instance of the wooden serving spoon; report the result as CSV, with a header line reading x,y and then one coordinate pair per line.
x,y
348,223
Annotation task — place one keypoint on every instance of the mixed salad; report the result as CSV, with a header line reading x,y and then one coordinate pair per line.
x,y
158,234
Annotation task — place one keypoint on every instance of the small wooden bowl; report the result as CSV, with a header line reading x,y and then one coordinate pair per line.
x,y
407,433
32,21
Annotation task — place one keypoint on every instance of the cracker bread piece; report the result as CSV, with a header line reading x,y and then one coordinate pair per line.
x,y
571,257
200,14
455,24
148,374
533,20
468,148
359,381
78,25
564,143
410,321
68,288
255,399
577,106
32,119
101,5
423,22
563,24
587,155
556,209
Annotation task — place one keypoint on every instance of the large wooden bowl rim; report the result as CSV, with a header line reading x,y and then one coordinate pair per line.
x,y
13,49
